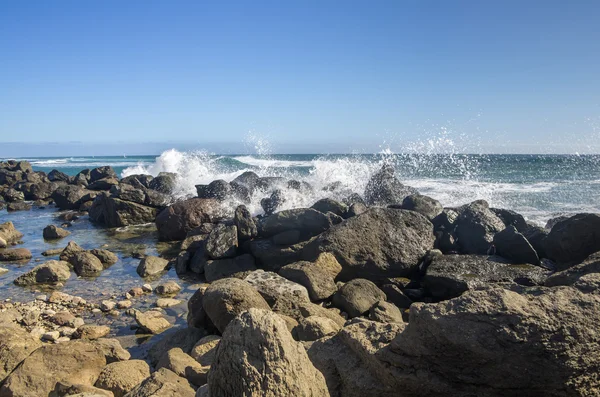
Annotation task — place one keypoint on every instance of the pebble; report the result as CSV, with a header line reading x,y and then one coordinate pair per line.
x,y
96,311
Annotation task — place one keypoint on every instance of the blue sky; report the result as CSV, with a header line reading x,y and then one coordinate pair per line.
x,y
501,76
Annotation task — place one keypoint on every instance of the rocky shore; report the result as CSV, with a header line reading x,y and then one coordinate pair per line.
x,y
383,292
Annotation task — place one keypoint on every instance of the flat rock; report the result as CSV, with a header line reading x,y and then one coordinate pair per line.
x,y
15,254
152,322
52,232
272,286
47,273
151,265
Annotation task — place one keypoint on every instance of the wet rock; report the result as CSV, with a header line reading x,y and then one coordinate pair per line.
x,y
138,180
3,270
224,299
308,221
204,351
223,268
384,188
385,312
476,227
113,212
15,254
313,327
379,243
222,242
15,345
106,257
424,205
165,182
163,383
151,321
9,234
82,178
197,317
70,250
175,221
51,232
572,240
511,218
356,209
329,205
280,365
86,265
107,305
273,203
536,236
48,273
121,377
92,332
151,265
272,286
246,226
74,362
318,277
448,276
357,296
168,288
183,365
512,245
219,190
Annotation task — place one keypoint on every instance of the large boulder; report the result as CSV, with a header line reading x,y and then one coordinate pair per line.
x,y
102,172
70,197
318,277
228,267
122,376
47,273
572,240
222,242
74,362
357,296
163,383
15,346
497,342
380,242
224,299
113,212
9,234
577,275
58,176
329,205
273,287
476,226
309,222
424,205
258,356
183,365
175,221
512,245
86,264
165,182
182,338
448,276
384,188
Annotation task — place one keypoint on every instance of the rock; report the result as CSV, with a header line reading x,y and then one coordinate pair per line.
x,y
92,332
163,383
182,263
113,212
572,240
246,226
167,302
385,312
476,227
308,221
272,286
101,173
329,205
18,206
357,296
15,254
512,245
204,351
107,306
103,184
511,218
52,232
175,221
536,236
197,317
120,377
58,176
9,234
223,268
74,362
318,277
112,350
289,237
222,242
218,189
151,321
78,390
279,365
165,182
70,197
12,195
86,264
70,250
379,243
299,310
106,257
396,296
129,193
313,327
15,346
448,276
184,365
151,265
384,188
124,304
48,273
272,257
273,203
356,209
3,270
184,338
424,205
138,180
168,288
572,275
53,252
224,299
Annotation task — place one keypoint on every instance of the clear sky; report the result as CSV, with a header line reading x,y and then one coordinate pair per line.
x,y
502,76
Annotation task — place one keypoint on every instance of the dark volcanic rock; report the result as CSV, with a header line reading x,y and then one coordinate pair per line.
x,y
70,197
476,227
574,239
165,182
329,205
424,205
308,221
114,212
222,242
384,188
512,245
576,275
511,218
175,221
58,176
381,242
272,256
245,223
223,268
101,173
448,276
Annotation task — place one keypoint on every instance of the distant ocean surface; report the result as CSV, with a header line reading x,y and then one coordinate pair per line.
x,y
537,186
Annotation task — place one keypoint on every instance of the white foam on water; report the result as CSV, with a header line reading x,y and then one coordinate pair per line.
x,y
272,163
